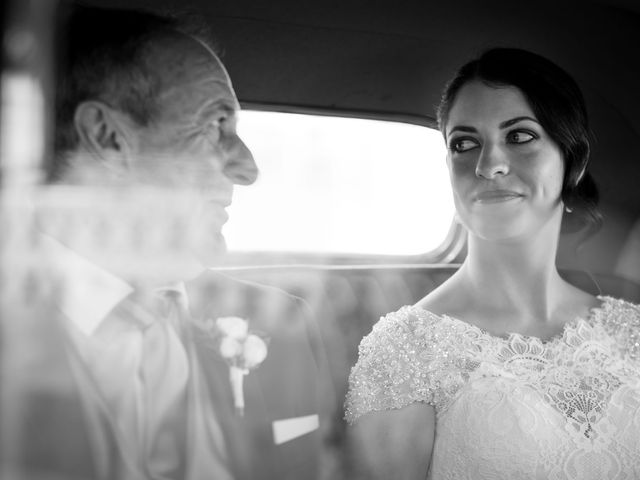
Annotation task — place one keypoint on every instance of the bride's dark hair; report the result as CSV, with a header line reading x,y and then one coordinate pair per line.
x,y
559,106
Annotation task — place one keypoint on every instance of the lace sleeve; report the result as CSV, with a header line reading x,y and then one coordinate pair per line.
x,y
390,372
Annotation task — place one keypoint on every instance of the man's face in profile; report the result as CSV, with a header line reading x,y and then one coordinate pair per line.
x,y
191,146
147,202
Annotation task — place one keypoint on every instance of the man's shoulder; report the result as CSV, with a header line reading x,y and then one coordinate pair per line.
x,y
216,294
213,283
221,279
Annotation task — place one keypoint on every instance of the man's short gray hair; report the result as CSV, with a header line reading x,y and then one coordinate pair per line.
x,y
103,56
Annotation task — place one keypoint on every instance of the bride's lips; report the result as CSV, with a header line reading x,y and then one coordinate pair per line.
x,y
496,196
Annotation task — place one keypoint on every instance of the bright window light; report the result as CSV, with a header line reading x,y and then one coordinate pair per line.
x,y
341,185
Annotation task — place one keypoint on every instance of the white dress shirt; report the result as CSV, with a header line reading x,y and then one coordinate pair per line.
x,y
139,391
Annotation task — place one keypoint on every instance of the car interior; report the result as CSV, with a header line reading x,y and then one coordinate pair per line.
x,y
386,63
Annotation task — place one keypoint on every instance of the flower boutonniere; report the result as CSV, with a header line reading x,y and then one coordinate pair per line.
x,y
242,349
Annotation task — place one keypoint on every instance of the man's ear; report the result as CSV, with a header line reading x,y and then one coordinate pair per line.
x,y
102,134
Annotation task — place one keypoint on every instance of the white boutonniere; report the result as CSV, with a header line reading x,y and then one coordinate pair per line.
x,y
242,349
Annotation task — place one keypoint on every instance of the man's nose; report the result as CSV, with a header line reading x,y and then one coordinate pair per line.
x,y
492,161
240,167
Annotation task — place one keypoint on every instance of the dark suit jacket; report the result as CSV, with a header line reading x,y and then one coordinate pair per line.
x,y
293,381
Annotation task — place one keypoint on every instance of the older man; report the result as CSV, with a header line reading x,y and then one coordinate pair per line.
x,y
164,382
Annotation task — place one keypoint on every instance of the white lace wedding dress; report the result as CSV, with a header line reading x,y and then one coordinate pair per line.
x,y
517,407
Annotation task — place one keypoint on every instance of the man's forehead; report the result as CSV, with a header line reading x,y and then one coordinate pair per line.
x,y
185,63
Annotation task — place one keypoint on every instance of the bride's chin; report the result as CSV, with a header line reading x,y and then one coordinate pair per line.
x,y
512,234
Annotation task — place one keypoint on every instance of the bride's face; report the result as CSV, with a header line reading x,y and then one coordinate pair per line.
x,y
505,171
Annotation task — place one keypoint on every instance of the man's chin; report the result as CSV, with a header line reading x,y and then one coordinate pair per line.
x,y
182,266
157,266
145,235
210,253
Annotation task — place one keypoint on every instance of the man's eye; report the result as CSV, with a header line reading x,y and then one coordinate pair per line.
x,y
212,131
520,136
216,124
460,145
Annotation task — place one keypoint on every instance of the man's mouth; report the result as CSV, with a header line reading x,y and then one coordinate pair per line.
x,y
217,210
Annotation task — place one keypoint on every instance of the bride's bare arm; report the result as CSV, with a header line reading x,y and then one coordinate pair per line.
x,y
394,443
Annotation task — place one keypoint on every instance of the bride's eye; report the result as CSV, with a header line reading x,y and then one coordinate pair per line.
x,y
520,136
463,144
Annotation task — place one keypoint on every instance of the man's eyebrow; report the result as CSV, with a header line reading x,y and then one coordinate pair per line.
x,y
508,123
225,105
220,106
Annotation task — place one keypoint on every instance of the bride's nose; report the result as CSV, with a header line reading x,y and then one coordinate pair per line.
x,y
492,161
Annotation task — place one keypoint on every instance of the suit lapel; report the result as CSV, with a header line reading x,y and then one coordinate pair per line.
x,y
273,390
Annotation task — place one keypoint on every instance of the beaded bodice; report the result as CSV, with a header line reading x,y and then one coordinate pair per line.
x,y
513,407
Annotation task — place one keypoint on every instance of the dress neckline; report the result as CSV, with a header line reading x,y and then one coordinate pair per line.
x,y
507,336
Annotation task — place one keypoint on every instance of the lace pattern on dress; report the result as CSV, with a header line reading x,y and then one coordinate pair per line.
x,y
413,355
517,407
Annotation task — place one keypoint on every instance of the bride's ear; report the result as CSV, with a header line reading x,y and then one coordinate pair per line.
x,y
102,134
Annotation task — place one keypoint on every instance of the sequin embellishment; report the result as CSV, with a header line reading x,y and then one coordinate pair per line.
x,y
413,355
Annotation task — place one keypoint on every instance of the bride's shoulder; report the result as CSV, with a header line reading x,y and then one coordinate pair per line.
x,y
429,322
611,306
411,330
622,319
395,363
403,359
616,314
401,327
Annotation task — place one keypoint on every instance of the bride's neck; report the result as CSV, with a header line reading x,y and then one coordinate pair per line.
x,y
520,276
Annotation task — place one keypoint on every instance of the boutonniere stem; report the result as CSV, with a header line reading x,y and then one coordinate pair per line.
x,y
236,376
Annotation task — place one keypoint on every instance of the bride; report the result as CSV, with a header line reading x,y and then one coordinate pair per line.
x,y
506,371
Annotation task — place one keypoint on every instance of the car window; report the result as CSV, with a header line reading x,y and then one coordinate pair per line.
x,y
337,185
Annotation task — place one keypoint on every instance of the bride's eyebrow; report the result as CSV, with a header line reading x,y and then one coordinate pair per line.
x,y
508,123
462,128
505,124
